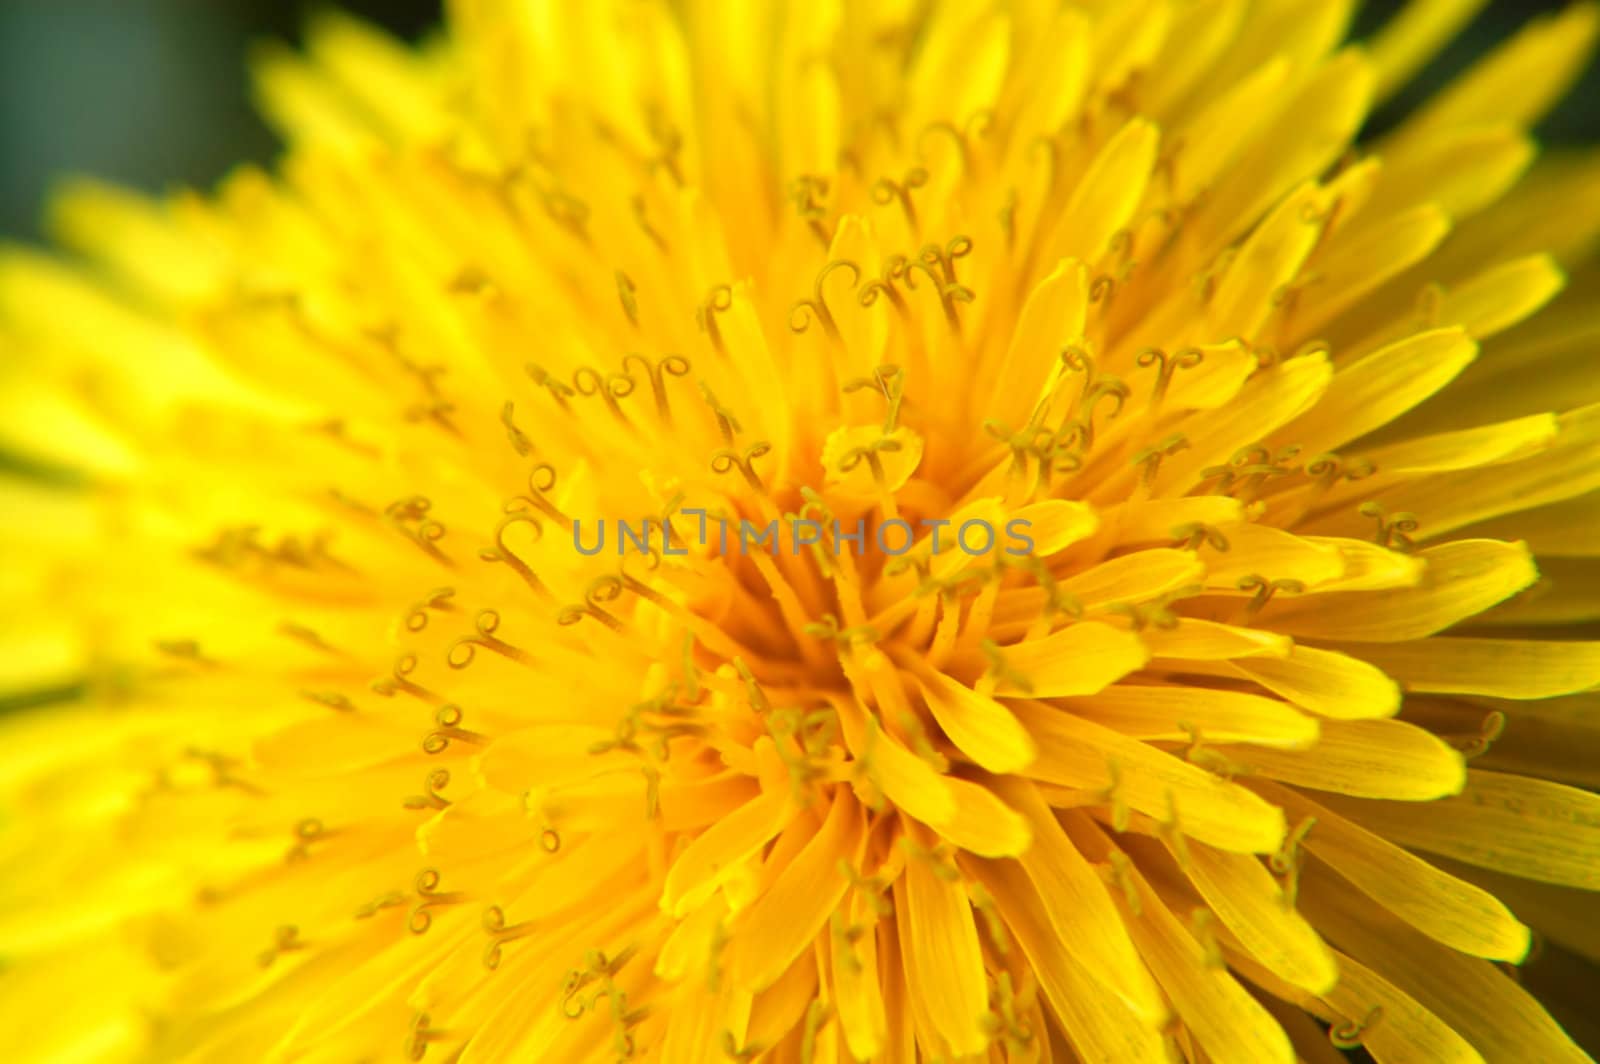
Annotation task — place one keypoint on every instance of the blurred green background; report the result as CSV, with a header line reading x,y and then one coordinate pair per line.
x,y
153,93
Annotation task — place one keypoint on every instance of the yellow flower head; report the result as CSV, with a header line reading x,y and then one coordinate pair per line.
x,y
813,532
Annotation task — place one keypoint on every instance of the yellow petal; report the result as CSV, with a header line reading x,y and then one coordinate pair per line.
x,y
1461,580
690,803
1051,319
960,69
859,994
1198,34
1078,660
1563,914
381,74
859,481
1220,132
308,106
546,754
1375,390
1274,397
1550,211
1448,910
1361,260
697,1018
1135,577
1475,997
1369,567
1325,682
1501,296
1532,828
717,852
811,139
1368,758
1270,258
951,559
1074,898
1304,32
1226,1020
1565,529
944,962
1141,521
743,332
905,779
1175,714
1568,467
1098,1024
1568,592
689,945
1127,39
783,1008
1256,549
1192,639
980,727
43,424
1055,94
1222,372
134,234
1248,901
982,823
1468,448
1404,1032
1078,753
1055,524
1107,194
1462,172
42,656
479,825
1311,129
1506,668
855,240
785,920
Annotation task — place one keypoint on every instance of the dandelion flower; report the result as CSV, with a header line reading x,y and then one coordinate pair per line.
x,y
1274,731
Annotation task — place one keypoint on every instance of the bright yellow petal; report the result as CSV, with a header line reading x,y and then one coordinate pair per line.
x,y
1461,579
983,824
1074,897
1178,713
1078,660
981,727
1051,319
1404,1031
1098,1024
788,917
1475,997
1369,758
944,961
1375,390
1441,906
1107,194
1247,900
1078,753
716,852
1506,668
1326,683
1539,830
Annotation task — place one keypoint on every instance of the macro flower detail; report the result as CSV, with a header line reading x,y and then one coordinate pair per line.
x,y
1275,739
